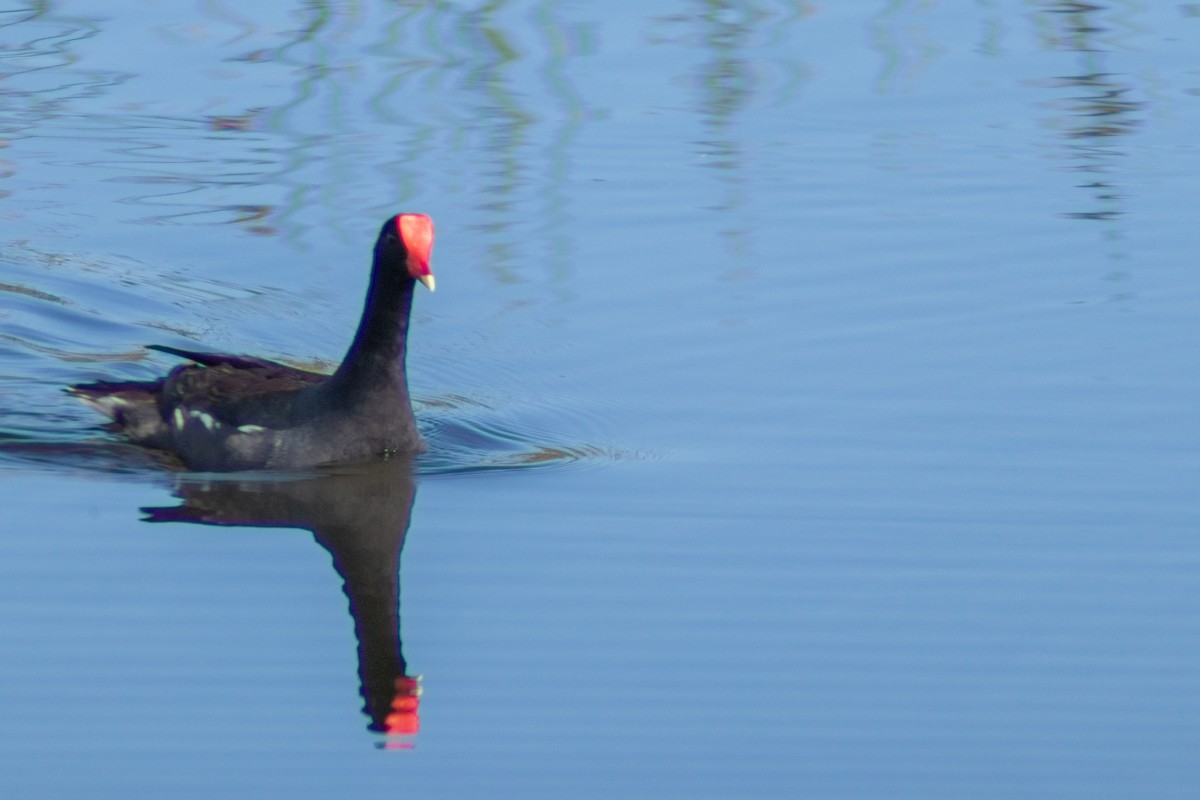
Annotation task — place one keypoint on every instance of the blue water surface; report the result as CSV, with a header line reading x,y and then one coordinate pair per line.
x,y
810,393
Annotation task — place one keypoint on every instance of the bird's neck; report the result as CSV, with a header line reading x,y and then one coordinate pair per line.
x,y
375,360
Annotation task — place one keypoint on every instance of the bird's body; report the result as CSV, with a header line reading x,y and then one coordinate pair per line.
x,y
224,413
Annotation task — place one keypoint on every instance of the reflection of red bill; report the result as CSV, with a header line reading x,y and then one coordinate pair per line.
x,y
398,744
404,719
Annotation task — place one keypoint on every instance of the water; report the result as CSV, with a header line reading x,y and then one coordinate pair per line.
x,y
809,388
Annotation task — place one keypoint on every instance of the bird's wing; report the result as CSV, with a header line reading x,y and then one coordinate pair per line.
x,y
237,391
219,359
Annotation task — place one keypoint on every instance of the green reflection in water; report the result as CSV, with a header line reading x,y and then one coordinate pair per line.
x,y
1096,119
906,46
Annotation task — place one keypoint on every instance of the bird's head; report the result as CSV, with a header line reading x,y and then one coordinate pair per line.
x,y
410,237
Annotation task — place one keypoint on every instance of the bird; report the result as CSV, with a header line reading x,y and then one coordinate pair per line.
x,y
228,413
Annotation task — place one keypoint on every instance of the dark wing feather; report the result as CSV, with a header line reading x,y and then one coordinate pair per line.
x,y
217,359
230,390
259,395
237,390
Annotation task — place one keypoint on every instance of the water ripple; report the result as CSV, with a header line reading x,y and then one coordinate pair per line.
x,y
468,435
70,317
464,437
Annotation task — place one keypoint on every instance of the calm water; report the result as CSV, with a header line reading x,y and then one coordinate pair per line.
x,y
811,388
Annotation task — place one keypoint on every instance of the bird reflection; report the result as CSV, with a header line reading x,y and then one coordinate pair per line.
x,y
360,515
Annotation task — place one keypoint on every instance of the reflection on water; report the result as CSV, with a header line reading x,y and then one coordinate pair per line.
x,y
360,516
906,46
731,39
603,175
310,106
463,436
1100,117
1100,113
726,85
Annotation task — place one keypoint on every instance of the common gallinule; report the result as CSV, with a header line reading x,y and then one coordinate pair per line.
x,y
225,413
